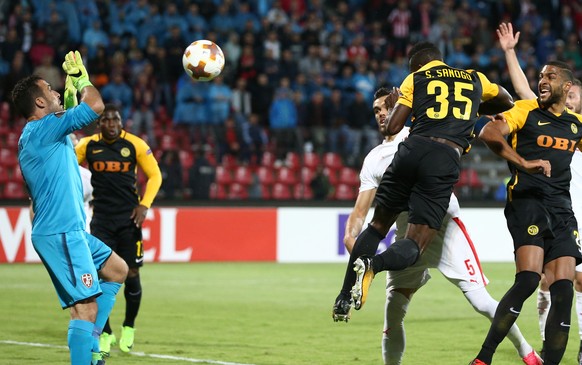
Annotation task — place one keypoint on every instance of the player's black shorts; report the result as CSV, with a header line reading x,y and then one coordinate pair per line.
x,y
122,236
420,180
554,229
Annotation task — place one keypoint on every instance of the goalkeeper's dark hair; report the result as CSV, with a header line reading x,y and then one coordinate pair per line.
x,y
383,91
24,95
422,53
565,70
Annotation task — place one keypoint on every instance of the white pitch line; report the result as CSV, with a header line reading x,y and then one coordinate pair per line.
x,y
140,354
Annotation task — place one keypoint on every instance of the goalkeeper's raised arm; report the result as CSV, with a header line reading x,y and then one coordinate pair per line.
x,y
79,78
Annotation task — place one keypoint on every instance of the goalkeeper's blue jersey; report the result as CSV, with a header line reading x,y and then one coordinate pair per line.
x,y
49,166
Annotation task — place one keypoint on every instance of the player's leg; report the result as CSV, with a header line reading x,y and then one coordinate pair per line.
x,y
112,272
543,302
529,260
559,273
393,335
366,245
131,250
578,293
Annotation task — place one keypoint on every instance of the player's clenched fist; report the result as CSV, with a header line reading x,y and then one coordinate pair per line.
x,y
73,66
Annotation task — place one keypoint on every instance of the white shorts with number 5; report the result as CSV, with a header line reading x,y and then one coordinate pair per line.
x,y
451,252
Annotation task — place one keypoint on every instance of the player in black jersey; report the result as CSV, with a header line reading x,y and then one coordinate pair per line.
x,y
543,135
113,156
444,103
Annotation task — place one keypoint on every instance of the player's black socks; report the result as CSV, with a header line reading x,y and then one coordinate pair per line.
x,y
558,322
132,294
526,282
400,255
107,328
366,245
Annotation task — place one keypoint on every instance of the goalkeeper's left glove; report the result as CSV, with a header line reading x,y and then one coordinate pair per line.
x,y
73,66
70,94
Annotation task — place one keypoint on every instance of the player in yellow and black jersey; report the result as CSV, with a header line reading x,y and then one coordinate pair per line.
x,y
444,104
113,156
538,139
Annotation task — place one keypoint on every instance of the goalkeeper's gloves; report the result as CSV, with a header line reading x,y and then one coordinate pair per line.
x,y
70,94
73,66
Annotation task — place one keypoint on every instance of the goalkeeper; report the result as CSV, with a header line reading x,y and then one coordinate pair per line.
x,y
74,259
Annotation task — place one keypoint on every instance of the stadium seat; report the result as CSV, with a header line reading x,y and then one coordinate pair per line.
x,y
229,162
17,175
349,176
186,159
265,175
286,175
281,192
14,190
217,191
306,174
302,191
268,159
311,160
8,157
243,175
4,174
12,140
292,161
223,176
469,177
344,192
331,175
237,191
332,161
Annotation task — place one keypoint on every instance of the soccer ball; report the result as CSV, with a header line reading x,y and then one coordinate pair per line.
x,y
203,60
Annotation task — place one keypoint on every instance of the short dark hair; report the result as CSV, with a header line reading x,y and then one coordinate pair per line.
x,y
24,94
422,53
111,107
383,91
577,82
564,68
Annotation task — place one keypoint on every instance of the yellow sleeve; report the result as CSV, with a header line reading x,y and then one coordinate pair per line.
x,y
406,91
490,90
149,165
517,115
81,149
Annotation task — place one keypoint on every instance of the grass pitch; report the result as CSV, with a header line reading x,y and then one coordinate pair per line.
x,y
260,314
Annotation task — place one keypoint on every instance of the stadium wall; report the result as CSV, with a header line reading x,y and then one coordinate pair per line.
x,y
285,234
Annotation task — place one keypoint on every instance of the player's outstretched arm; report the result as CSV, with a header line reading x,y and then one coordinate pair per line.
x,y
75,69
494,135
508,41
498,104
358,217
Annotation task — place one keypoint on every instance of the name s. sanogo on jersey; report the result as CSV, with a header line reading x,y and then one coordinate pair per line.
x,y
539,134
114,168
445,101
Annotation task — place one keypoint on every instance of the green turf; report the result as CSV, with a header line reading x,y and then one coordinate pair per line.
x,y
260,313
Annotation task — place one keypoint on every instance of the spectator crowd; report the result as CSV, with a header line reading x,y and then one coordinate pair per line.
x,y
290,117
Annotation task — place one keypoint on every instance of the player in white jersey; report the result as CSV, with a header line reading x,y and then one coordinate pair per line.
x,y
87,187
451,251
508,41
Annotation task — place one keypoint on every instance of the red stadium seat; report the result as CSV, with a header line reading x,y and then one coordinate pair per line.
x,y
237,191
281,192
332,160
222,176
344,192
243,175
292,161
14,190
12,140
469,177
311,160
4,174
8,157
348,176
302,192
286,175
268,159
217,191
306,174
229,161
17,175
265,175
331,175
186,159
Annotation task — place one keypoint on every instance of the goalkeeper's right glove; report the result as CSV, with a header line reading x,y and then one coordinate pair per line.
x,y
70,94
73,66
